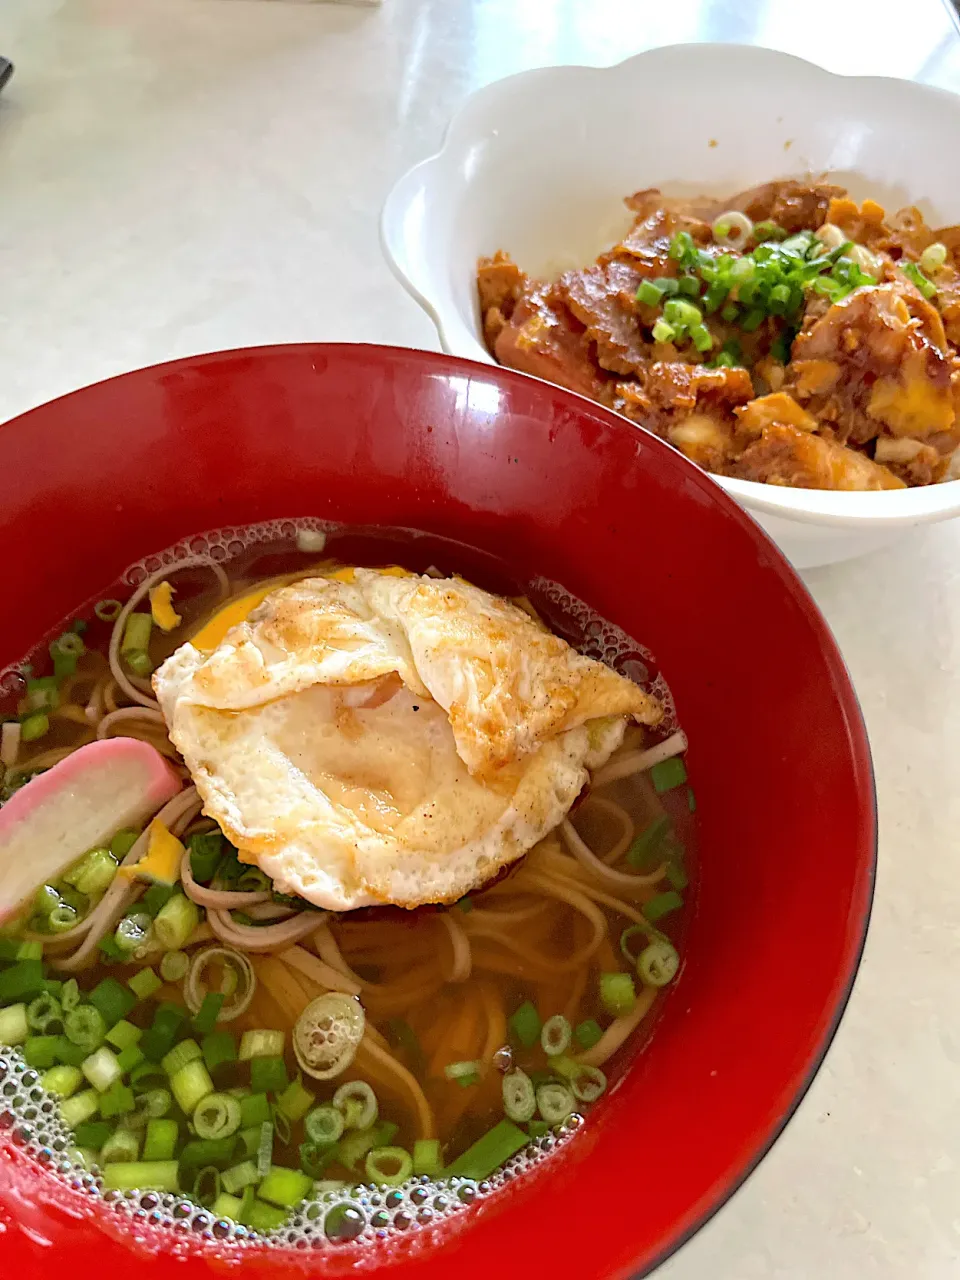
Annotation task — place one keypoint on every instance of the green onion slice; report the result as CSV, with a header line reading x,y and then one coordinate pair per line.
x,y
323,1124
389,1166
519,1096
357,1103
555,1102
217,1116
658,963
555,1036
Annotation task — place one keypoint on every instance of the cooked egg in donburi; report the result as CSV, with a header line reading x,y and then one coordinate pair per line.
x,y
368,737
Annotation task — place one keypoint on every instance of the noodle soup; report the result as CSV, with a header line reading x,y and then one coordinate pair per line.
x,y
213,1039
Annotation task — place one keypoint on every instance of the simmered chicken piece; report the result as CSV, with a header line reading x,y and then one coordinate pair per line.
x,y
786,335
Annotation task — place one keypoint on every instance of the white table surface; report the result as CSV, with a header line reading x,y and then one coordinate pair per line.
x,y
185,175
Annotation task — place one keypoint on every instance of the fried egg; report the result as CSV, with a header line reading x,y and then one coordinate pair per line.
x,y
371,737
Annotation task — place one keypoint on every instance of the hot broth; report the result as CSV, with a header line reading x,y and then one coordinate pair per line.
x,y
491,1023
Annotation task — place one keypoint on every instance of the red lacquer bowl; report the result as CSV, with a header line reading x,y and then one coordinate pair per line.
x,y
555,486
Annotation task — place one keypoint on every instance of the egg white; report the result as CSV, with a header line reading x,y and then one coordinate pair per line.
x,y
390,739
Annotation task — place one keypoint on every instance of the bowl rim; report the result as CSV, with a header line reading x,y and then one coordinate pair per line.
x,y
887,509
847,695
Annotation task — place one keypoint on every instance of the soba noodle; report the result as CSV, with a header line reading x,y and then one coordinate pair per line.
x,y
442,989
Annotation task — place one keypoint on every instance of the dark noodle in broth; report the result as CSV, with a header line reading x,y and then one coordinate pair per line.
x,y
161,1012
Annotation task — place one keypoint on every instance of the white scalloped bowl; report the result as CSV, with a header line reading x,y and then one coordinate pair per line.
x,y
538,164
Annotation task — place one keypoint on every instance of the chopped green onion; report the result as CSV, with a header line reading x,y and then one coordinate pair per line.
x,y
175,922
40,1052
644,848
355,1145
295,1101
34,726
254,1109
284,1187
85,1027
167,1021
265,1149
264,1217
123,842
555,1102
42,695
62,918
63,1081
186,1052
663,331
23,980
525,1025
314,1157
268,1075
913,274
323,1124
147,1077
667,774
206,1186
217,1116
45,1014
682,315
174,966
465,905
248,1141
94,873
152,1175
240,1176
587,1083
101,1068
70,1054
388,1166
79,1107
45,900
261,1044
219,1047
752,320
658,963
555,1036
206,850
136,634
155,1103
519,1097
108,610
70,995
225,1206
459,1071
489,1152
617,994
190,1086
113,1000
206,1016
123,1034
588,1033
156,898
122,1147
701,337
662,905
92,1133
253,880
216,1151
427,1157
677,876
14,1028
649,294
933,257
